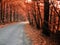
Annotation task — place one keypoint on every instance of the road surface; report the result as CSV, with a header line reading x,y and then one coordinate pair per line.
x,y
14,35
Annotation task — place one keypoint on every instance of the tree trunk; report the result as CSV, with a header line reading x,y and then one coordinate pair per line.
x,y
45,27
2,16
7,17
10,13
14,15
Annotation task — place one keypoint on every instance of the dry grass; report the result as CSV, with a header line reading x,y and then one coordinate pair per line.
x,y
35,36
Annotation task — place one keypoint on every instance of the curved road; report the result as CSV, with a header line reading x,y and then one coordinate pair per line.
x,y
14,35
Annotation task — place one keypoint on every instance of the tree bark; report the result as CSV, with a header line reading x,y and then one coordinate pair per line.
x,y
45,27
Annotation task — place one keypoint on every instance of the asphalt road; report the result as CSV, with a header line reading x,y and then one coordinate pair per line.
x,y
14,35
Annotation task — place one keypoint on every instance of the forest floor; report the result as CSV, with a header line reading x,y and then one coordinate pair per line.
x,y
37,37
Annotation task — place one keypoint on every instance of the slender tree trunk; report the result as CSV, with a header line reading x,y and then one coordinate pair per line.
x,y
29,18
4,12
38,16
34,14
0,12
7,17
58,26
45,27
2,15
10,13
17,16
14,15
